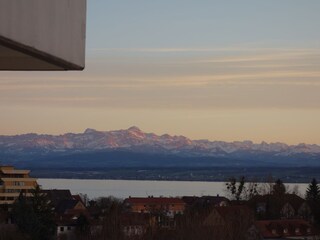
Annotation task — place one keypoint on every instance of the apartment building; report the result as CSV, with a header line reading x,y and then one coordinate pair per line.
x,y
14,181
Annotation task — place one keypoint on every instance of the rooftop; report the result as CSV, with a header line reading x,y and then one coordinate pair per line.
x,y
285,228
154,200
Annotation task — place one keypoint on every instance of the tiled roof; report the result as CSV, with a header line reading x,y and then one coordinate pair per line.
x,y
214,199
55,196
77,197
285,228
65,205
70,219
154,200
293,199
209,200
65,220
190,200
229,215
231,210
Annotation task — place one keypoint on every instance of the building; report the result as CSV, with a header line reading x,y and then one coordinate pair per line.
x,y
206,201
221,216
136,224
287,206
287,229
230,222
69,210
42,34
55,196
163,205
13,182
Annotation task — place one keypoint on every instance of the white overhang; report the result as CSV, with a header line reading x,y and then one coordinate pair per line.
x,y
42,34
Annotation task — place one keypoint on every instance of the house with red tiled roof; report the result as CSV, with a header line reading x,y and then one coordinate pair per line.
x,y
287,229
164,205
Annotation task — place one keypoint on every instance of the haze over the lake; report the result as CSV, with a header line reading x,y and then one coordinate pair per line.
x,y
125,188
219,70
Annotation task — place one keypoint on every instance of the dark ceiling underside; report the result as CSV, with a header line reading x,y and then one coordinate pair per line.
x,y
17,57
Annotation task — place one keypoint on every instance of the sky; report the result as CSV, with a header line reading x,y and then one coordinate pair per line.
x,y
219,70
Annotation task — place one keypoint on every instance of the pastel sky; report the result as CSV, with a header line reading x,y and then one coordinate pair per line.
x,y
220,70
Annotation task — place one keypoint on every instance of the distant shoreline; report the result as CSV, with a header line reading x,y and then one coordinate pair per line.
x,y
200,174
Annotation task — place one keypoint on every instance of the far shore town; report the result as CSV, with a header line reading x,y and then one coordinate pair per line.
x,y
248,212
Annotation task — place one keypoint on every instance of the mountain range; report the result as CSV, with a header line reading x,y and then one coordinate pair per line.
x,y
134,154
135,140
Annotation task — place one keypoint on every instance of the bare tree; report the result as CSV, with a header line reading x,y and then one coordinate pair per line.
x,y
241,189
267,186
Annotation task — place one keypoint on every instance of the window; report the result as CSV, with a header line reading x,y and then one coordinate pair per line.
x,y
261,207
18,183
12,190
61,229
69,228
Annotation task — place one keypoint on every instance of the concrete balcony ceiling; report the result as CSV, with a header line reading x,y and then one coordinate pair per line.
x,y
42,34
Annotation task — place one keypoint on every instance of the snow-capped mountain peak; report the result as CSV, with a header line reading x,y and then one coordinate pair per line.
x,y
134,129
134,139
89,130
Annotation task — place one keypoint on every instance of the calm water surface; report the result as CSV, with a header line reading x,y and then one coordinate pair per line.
x,y
126,188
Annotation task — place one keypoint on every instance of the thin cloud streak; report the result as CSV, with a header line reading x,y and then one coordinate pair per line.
x,y
228,80
181,50
261,78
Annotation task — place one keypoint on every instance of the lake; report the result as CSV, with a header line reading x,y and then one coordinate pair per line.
x,y
126,188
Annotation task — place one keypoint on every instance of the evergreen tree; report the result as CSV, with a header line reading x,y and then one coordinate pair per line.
x,y
23,215
313,196
83,227
34,215
279,188
313,191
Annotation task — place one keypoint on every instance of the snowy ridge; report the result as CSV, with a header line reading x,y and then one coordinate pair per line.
x,y
136,140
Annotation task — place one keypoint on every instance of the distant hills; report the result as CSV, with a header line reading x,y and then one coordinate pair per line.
x,y
133,148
